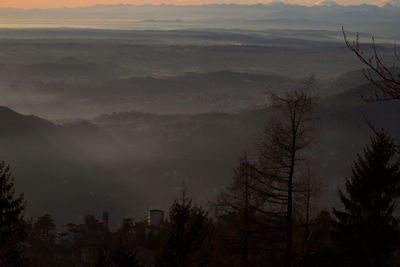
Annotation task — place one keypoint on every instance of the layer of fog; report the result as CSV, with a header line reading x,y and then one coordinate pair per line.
x,y
121,121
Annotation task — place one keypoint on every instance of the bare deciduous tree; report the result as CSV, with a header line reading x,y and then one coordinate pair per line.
x,y
237,204
386,78
280,155
260,199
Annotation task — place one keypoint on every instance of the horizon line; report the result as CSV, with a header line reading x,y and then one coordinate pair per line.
x,y
334,4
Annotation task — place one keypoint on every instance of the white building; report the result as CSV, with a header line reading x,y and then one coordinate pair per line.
x,y
156,217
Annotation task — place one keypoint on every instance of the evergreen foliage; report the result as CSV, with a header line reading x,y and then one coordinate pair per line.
x,y
12,225
366,229
189,229
44,226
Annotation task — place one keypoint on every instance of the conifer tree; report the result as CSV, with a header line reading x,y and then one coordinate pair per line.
x,y
124,256
117,254
12,226
366,229
189,231
44,226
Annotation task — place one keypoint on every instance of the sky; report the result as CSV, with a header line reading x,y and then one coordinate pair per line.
x,y
44,4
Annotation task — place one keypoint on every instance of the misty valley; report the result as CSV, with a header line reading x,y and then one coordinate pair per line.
x,y
116,123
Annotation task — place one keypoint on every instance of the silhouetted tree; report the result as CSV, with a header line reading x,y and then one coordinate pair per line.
x,y
386,78
41,246
127,226
306,191
118,253
124,256
366,229
126,233
277,167
236,212
44,226
189,231
320,250
12,226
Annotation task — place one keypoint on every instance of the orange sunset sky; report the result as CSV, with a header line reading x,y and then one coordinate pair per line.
x,y
27,4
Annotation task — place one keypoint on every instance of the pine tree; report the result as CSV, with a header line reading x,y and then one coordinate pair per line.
x,y
127,226
124,256
189,231
117,254
44,226
12,226
366,229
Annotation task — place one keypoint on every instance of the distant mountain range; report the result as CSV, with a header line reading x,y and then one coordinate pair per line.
x,y
327,15
73,68
84,73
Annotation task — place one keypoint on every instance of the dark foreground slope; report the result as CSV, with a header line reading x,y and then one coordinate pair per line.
x,y
64,170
